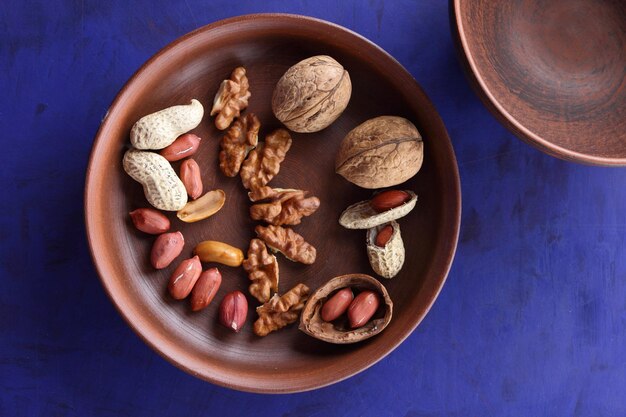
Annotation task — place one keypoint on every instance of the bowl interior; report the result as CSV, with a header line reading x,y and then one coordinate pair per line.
x,y
193,67
554,70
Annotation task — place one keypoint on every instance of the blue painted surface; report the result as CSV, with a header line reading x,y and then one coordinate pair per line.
x,y
532,320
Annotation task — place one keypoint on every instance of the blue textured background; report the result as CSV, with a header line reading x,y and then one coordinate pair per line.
x,y
532,320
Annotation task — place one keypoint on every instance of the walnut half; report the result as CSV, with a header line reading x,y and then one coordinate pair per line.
x,y
239,140
288,242
262,269
231,98
285,207
263,163
281,311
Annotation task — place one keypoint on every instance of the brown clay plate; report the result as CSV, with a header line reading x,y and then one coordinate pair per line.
x,y
554,72
193,67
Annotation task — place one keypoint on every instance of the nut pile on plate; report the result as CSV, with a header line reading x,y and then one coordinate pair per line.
x,y
381,152
258,163
167,131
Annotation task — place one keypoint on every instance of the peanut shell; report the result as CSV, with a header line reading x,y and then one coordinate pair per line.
x,y
386,261
362,216
160,129
162,187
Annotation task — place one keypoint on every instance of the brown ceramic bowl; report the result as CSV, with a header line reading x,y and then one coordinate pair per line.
x,y
193,66
553,72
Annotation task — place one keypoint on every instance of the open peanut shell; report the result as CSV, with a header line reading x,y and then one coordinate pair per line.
x,y
362,216
339,331
388,260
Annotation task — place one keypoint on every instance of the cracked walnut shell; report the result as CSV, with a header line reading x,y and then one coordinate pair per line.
x,y
281,311
381,152
339,331
312,94
286,207
263,163
231,98
288,242
262,269
239,140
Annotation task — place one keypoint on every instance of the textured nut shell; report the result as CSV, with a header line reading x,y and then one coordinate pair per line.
x,y
311,321
387,261
162,187
381,152
159,130
312,94
362,216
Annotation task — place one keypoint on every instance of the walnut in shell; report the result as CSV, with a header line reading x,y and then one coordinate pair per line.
x,y
286,207
281,311
386,261
231,98
262,269
288,242
263,163
312,94
381,152
239,140
362,216
339,331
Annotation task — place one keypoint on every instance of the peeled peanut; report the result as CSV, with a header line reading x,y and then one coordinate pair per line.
x,y
220,252
162,187
233,310
184,278
166,248
160,129
150,221
191,178
336,305
205,289
186,145
389,199
362,308
202,208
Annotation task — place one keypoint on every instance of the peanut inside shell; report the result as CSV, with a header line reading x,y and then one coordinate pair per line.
x,y
339,331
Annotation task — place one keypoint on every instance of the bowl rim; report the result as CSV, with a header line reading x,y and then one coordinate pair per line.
x,y
493,105
146,335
